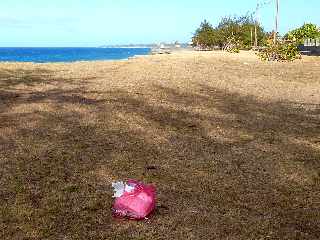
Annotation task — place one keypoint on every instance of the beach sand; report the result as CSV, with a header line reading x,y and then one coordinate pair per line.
x,y
231,143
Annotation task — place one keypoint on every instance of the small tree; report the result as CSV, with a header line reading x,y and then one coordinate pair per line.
x,y
205,36
248,24
308,30
240,29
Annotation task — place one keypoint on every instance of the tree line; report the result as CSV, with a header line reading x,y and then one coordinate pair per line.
x,y
239,33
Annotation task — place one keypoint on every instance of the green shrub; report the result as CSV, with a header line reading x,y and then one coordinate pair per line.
x,y
308,30
280,52
205,36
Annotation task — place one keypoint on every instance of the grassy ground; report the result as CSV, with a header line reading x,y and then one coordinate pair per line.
x,y
232,145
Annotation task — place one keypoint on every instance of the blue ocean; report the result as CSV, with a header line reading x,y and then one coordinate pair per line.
x,y
45,55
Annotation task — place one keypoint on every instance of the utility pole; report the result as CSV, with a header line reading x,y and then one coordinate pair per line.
x,y
251,37
256,26
277,23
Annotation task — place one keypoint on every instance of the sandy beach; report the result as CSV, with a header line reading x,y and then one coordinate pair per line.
x,y
231,143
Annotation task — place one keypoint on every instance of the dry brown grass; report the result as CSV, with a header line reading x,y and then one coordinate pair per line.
x,y
233,145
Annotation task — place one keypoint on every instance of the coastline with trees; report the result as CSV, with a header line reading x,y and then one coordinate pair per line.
x,y
236,33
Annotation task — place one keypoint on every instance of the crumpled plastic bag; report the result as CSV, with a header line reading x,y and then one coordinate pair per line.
x,y
133,200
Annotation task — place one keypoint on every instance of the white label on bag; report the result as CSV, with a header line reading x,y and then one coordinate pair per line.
x,y
118,188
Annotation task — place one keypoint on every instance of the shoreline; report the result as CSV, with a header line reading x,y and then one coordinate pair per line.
x,y
245,55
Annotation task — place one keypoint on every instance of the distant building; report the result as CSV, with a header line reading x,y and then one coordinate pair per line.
x,y
310,47
164,46
312,42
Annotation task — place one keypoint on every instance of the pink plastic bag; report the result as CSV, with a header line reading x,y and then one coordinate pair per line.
x,y
135,200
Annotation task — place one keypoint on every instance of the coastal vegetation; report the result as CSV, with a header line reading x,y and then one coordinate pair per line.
x,y
307,31
287,48
238,33
280,52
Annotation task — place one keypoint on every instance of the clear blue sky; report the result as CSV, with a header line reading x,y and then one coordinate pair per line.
x,y
98,22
